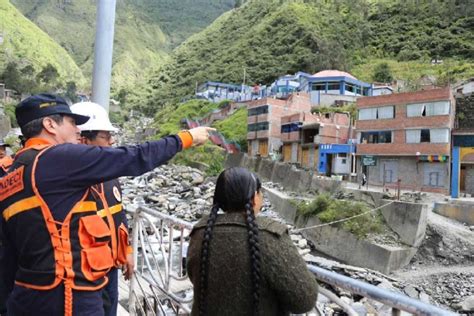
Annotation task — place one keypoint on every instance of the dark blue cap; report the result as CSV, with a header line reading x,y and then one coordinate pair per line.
x,y
44,104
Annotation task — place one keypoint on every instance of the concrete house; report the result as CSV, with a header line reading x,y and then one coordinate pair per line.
x,y
462,178
406,136
303,134
333,87
264,122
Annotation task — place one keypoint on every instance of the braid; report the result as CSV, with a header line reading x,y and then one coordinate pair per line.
x,y
204,266
252,229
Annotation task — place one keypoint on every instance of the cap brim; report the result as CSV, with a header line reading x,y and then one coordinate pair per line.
x,y
79,119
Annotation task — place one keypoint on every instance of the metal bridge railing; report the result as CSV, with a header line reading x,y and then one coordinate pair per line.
x,y
158,282
159,285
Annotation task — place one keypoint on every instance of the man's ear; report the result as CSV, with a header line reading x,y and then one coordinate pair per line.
x,y
50,125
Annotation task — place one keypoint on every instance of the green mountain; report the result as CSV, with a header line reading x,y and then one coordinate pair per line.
x,y
145,30
270,38
26,44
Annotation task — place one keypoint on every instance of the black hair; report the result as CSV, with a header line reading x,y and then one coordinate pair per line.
x,y
234,191
34,128
90,135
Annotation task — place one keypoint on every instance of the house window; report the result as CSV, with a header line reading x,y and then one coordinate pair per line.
x,y
334,86
258,110
435,135
381,137
291,127
383,112
318,87
428,109
368,114
439,135
425,136
262,126
386,112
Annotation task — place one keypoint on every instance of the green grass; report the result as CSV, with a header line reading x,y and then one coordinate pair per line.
x,y
26,43
328,209
168,119
235,128
450,71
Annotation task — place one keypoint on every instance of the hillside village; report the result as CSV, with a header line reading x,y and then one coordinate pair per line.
x,y
372,167
405,140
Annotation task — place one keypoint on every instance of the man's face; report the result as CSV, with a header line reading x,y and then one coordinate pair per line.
x,y
3,151
103,138
67,131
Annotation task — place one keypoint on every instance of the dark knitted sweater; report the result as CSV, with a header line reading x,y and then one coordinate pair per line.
x,y
286,286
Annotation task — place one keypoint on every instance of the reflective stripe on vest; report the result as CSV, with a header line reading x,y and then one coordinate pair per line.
x,y
75,251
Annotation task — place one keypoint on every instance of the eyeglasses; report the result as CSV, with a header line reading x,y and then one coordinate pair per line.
x,y
105,135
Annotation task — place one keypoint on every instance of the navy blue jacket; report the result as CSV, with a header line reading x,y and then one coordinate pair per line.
x,y
64,173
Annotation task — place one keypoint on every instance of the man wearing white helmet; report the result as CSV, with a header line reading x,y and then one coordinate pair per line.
x,y
97,131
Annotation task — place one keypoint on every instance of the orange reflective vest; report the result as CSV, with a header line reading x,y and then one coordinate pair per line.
x,y
108,196
5,163
76,251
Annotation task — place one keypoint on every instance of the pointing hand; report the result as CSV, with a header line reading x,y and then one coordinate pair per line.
x,y
201,134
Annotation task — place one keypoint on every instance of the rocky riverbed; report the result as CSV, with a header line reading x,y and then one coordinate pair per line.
x,y
187,193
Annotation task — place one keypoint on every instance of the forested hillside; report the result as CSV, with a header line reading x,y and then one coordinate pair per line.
x,y
145,32
31,49
270,38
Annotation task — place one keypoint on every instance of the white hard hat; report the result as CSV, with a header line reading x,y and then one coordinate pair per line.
x,y
99,119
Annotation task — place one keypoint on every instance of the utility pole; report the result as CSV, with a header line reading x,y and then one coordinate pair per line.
x,y
103,50
243,82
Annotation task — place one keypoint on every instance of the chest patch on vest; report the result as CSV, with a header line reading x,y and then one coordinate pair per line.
x,y
117,194
11,183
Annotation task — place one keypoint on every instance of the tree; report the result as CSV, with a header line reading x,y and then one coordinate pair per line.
x,y
49,74
71,90
11,76
382,73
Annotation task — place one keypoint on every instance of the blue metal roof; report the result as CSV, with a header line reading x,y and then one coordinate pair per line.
x,y
337,79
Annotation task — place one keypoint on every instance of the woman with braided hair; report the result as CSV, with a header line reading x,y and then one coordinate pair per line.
x,y
243,265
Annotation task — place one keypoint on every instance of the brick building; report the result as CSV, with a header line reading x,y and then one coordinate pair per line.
x,y
264,122
409,134
303,133
462,179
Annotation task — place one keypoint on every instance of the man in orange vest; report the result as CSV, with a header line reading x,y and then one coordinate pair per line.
x,y
97,131
5,160
57,250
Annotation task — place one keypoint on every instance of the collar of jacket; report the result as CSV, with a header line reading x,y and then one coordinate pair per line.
x,y
34,143
238,219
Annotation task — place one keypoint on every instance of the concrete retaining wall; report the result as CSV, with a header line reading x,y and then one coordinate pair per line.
x,y
347,248
284,204
265,169
458,210
408,220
